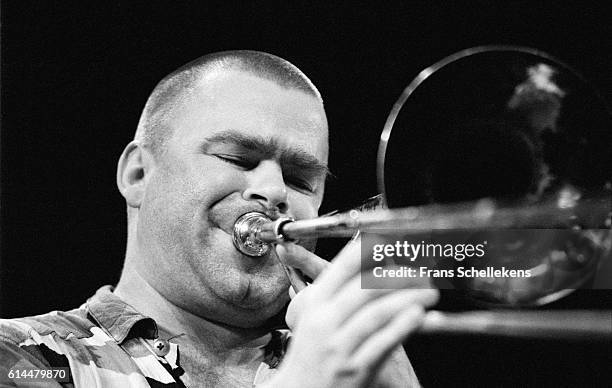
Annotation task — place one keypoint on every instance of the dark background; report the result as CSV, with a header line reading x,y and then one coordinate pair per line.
x,y
76,76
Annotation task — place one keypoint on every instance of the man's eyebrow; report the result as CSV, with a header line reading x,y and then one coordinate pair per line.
x,y
301,160
270,148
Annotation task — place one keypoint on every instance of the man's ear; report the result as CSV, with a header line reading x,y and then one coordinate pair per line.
x,y
133,169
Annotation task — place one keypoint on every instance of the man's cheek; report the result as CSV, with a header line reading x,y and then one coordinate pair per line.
x,y
220,182
301,206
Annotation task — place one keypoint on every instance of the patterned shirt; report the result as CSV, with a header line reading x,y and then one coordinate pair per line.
x,y
104,343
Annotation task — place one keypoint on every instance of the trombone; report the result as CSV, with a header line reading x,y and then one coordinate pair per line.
x,y
492,139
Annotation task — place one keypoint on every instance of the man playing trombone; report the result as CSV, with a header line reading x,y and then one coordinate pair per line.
x,y
226,134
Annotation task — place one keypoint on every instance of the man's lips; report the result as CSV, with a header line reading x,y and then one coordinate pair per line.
x,y
225,219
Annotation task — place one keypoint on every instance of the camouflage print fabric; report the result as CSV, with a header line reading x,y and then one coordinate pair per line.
x,y
105,343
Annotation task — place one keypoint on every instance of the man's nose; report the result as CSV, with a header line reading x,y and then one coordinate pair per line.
x,y
267,186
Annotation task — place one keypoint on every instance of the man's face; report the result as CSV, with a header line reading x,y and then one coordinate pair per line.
x,y
240,144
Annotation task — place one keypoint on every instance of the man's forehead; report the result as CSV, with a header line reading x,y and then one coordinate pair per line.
x,y
245,89
241,102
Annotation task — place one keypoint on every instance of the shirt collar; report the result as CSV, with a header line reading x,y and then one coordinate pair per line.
x,y
120,320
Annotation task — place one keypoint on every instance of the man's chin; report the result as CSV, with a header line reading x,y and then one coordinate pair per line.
x,y
265,320
262,319
262,292
258,312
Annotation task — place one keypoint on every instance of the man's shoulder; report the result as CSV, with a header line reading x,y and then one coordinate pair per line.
x,y
57,323
37,342
91,342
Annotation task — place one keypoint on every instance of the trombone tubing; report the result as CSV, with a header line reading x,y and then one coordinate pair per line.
x,y
590,325
414,220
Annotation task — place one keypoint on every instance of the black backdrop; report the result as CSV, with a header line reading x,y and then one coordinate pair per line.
x,y
75,77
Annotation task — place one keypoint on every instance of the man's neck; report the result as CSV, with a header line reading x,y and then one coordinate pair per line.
x,y
220,339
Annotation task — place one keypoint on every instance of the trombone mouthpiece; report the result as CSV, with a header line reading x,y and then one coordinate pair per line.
x,y
255,231
246,230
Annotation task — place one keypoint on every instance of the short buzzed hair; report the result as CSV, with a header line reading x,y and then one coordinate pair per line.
x,y
153,132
